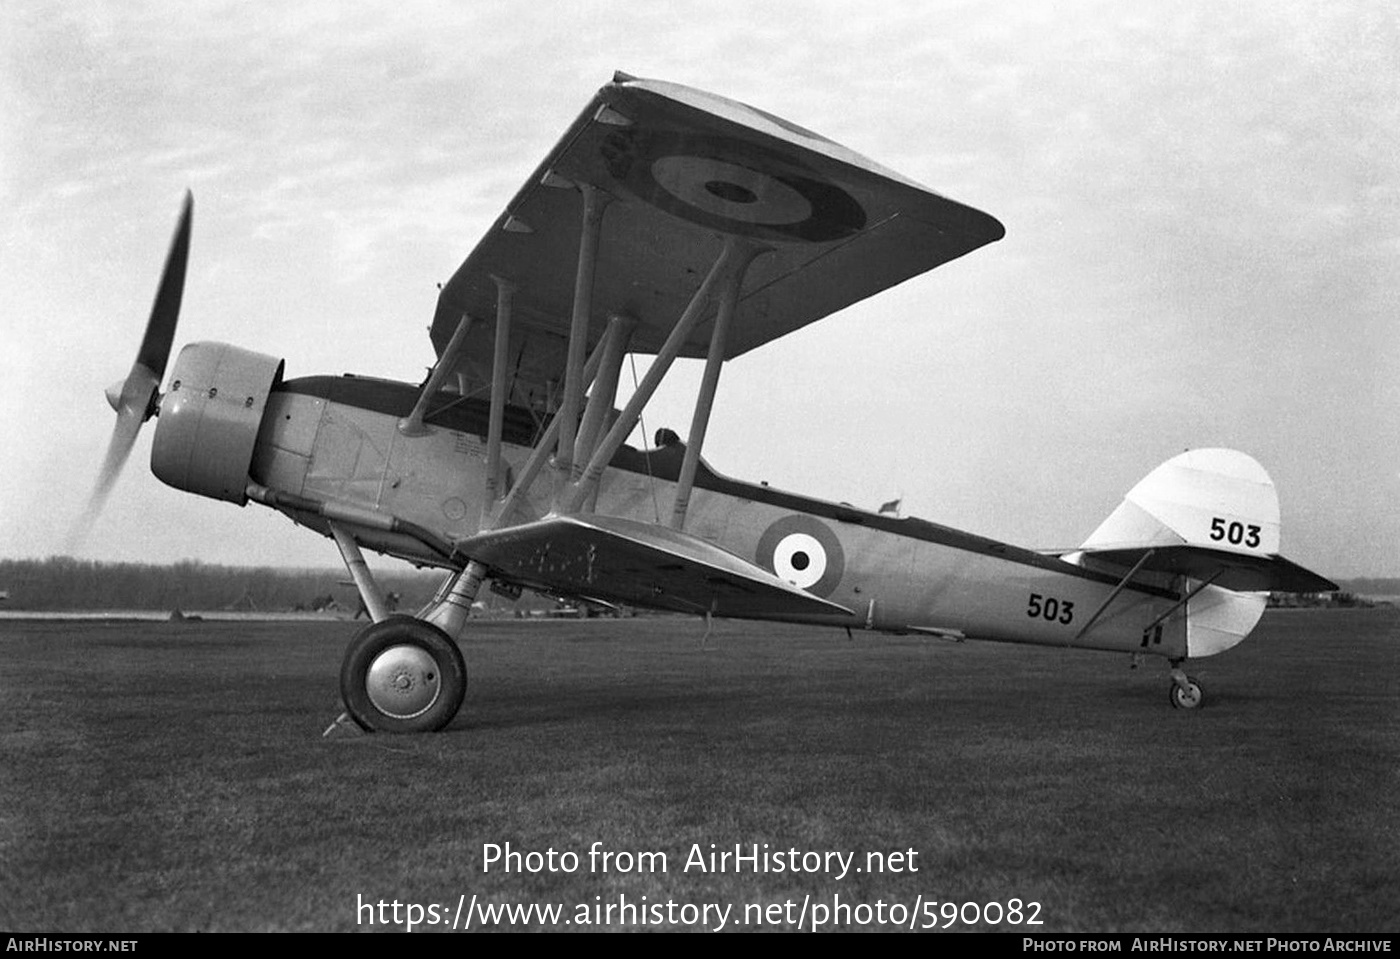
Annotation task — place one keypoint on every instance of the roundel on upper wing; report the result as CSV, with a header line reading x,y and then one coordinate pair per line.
x,y
735,186
803,551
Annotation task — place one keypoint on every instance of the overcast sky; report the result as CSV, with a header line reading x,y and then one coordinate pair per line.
x,y
1202,203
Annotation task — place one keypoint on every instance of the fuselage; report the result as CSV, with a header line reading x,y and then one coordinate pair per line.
x,y
337,439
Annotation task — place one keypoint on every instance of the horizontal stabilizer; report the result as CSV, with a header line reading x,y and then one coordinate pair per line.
x,y
1235,571
641,564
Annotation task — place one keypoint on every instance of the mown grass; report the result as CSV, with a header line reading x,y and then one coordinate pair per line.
x,y
172,776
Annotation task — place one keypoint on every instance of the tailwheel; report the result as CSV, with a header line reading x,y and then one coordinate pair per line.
x,y
402,675
1185,692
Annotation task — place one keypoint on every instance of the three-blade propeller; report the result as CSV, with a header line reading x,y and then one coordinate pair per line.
x,y
135,397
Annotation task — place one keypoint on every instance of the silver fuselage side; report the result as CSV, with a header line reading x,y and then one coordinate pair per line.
x,y
895,575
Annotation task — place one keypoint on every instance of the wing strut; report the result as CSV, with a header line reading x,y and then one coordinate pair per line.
x,y
595,202
500,358
412,424
539,455
604,391
727,271
450,614
704,403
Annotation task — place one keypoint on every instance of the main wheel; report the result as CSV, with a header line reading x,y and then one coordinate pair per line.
x,y
1189,698
402,675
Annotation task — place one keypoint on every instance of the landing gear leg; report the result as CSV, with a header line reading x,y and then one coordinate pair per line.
x,y
1185,692
449,612
401,674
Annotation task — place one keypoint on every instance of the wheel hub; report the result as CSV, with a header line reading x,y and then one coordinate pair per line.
x,y
403,682
1189,697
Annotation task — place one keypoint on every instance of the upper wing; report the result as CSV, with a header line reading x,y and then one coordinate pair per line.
x,y
685,168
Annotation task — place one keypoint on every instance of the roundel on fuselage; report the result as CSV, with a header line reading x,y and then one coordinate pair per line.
x,y
803,551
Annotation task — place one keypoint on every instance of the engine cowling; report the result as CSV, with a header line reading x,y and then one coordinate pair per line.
x,y
209,419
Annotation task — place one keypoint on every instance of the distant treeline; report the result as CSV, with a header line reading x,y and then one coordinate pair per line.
x,y
1372,586
65,583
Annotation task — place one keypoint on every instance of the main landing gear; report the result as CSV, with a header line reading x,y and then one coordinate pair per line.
x,y
403,675
1185,692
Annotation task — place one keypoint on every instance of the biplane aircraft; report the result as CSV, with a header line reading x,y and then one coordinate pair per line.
x,y
672,222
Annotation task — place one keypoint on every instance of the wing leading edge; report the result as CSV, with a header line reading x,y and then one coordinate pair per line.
x,y
686,169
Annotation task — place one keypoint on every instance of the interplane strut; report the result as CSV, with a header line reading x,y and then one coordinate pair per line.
x,y
709,383
604,392
727,273
505,293
595,202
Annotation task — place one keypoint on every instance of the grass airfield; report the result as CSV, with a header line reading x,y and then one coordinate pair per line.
x,y
172,776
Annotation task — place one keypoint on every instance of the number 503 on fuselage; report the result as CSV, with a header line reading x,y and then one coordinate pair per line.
x,y
671,222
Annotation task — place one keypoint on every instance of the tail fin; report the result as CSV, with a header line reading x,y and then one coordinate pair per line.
x,y
1212,516
1214,498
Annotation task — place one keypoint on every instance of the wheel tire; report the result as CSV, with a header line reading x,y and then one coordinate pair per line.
x,y
402,675
1190,698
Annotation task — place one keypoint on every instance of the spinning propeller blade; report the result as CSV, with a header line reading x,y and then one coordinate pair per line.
x,y
134,398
